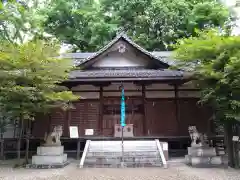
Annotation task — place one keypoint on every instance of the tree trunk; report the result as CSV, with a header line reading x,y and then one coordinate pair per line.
x,y
27,143
228,143
19,140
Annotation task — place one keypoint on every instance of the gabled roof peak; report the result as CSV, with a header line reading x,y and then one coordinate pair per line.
x,y
122,35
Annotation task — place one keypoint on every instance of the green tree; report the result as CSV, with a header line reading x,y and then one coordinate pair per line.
x,y
78,23
30,78
154,24
214,60
21,20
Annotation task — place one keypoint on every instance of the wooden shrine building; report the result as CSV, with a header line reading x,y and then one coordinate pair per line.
x,y
159,102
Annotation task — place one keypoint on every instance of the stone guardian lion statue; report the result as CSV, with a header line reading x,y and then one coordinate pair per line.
x,y
53,138
195,136
198,139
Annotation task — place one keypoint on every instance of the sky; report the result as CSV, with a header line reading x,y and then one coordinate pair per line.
x,y
231,4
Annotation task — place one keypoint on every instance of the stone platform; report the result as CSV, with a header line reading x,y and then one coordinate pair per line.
x,y
49,157
205,156
204,162
46,166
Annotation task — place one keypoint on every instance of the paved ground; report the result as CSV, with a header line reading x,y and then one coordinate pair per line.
x,y
176,171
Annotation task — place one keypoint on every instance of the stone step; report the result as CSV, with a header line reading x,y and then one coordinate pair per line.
x,y
128,165
120,147
128,162
127,159
136,154
128,154
126,142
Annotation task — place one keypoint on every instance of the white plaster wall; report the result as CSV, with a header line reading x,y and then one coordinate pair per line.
x,y
117,59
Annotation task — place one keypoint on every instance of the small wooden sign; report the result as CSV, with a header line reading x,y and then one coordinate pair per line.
x,y
73,132
89,132
165,146
235,138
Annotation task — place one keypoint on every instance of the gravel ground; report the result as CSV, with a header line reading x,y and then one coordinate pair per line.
x,y
176,171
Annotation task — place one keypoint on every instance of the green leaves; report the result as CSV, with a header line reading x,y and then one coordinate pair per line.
x,y
20,20
215,59
29,78
154,24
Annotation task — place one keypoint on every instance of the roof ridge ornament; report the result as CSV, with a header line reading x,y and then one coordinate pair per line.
x,y
120,32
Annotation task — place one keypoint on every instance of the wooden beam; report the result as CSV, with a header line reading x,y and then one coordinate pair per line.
x,y
176,100
144,111
102,84
132,90
100,123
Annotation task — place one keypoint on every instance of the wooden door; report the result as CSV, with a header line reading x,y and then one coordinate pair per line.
x,y
112,115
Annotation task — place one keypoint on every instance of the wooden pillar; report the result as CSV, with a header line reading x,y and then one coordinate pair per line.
x,y
67,122
100,123
78,149
176,99
144,110
2,147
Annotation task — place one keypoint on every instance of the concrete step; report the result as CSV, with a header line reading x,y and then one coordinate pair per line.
x,y
128,165
126,154
126,159
120,150
129,162
109,154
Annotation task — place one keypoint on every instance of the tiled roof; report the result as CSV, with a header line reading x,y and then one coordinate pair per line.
x,y
126,73
78,55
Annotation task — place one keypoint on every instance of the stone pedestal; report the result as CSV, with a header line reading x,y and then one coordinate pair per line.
x,y
49,157
204,156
